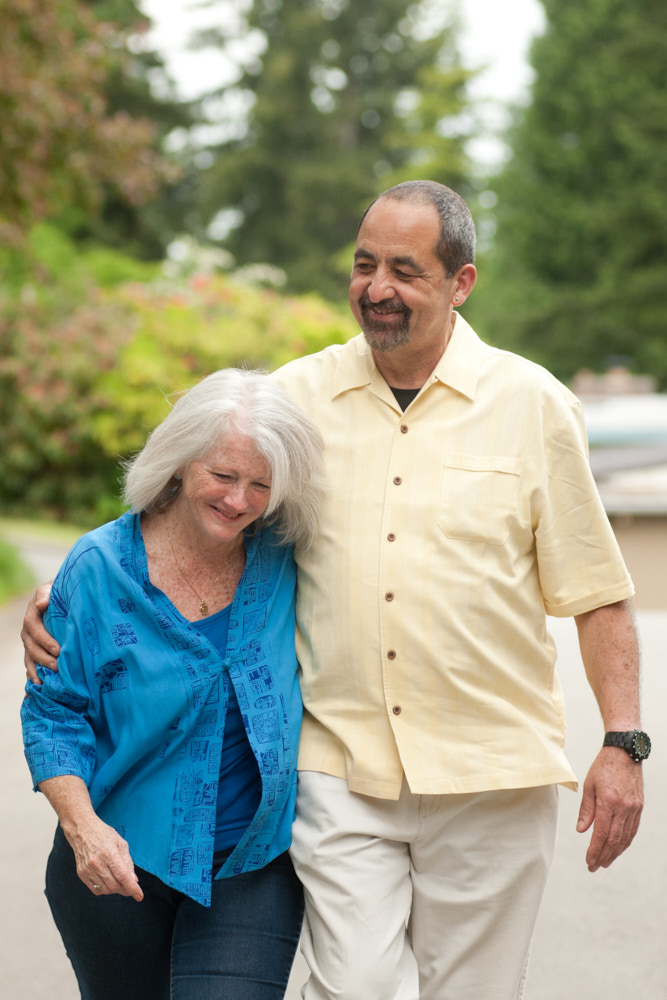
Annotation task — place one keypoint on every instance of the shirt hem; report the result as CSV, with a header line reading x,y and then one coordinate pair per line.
x,y
463,786
591,602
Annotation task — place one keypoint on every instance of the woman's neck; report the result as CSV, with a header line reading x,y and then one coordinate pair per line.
x,y
198,576
193,546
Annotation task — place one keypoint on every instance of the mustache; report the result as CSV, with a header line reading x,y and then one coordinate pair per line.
x,y
385,305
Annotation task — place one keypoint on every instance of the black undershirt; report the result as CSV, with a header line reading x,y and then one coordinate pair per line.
x,y
404,396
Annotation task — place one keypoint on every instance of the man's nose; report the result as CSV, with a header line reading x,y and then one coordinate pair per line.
x,y
381,286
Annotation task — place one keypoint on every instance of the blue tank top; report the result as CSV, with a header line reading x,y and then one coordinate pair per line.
x,y
240,785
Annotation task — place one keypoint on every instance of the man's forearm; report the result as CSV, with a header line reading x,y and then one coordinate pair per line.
x,y
610,652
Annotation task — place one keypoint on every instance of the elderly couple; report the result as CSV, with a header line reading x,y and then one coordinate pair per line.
x,y
455,510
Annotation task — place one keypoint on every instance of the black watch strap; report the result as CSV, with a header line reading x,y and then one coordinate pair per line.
x,y
635,743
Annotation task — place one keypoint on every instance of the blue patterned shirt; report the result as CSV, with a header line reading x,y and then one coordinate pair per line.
x,y
137,708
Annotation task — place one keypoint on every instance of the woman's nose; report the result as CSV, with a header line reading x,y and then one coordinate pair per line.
x,y
236,496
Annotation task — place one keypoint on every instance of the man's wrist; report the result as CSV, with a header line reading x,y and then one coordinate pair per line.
x,y
635,742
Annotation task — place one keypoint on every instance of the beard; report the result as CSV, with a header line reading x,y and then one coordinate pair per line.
x,y
382,336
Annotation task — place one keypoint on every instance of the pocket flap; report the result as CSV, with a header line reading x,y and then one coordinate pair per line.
x,y
484,463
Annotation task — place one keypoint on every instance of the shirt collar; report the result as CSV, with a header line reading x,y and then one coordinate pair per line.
x,y
459,366
356,367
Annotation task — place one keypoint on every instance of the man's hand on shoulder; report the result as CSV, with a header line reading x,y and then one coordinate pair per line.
x,y
38,645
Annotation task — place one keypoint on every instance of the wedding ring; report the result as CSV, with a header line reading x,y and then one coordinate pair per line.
x,y
98,887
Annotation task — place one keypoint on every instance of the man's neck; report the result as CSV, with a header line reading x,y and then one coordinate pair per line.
x,y
406,368
400,376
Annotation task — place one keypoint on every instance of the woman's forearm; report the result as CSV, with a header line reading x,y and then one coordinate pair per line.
x,y
70,798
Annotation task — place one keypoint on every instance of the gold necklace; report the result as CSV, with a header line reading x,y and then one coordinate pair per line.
x,y
203,606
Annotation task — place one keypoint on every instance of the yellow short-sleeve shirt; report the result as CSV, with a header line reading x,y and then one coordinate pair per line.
x,y
448,533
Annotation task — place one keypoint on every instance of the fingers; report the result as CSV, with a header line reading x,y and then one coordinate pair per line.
x,y
603,854
38,645
105,865
126,882
586,811
609,840
123,883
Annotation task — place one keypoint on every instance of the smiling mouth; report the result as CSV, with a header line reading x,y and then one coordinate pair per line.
x,y
382,313
225,514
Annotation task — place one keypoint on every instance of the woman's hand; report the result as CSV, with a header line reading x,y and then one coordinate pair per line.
x,y
39,646
103,861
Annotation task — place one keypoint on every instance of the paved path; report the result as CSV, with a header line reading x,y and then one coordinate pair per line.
x,y
598,935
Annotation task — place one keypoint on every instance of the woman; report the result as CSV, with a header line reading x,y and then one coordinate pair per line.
x,y
168,738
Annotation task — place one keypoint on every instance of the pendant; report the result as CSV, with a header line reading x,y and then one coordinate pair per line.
x,y
203,607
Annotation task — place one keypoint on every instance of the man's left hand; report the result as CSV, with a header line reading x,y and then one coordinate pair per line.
x,y
612,802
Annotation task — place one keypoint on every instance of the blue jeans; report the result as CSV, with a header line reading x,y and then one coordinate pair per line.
x,y
168,947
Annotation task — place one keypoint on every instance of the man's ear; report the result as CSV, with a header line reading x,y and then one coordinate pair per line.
x,y
464,282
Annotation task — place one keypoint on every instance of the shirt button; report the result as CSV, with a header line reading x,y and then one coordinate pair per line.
x,y
389,597
391,537
397,480
391,655
404,429
396,709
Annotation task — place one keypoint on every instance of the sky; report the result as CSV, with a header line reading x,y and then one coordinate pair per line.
x,y
496,35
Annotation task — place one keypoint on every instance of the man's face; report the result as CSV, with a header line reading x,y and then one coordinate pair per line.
x,y
399,293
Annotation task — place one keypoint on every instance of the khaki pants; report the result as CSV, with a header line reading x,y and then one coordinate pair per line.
x,y
432,897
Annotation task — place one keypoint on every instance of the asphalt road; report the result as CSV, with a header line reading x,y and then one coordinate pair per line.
x,y
598,936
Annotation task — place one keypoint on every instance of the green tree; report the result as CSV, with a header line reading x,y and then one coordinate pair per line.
x,y
578,270
345,100
138,85
60,143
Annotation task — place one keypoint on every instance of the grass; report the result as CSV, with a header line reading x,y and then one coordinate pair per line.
x,y
15,577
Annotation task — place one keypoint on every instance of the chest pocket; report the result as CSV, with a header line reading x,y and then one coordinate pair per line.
x,y
479,497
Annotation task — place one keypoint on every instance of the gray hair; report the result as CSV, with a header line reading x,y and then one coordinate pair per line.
x,y
456,246
234,400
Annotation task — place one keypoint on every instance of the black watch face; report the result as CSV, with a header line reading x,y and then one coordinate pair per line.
x,y
641,745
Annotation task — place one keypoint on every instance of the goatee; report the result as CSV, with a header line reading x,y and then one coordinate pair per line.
x,y
381,336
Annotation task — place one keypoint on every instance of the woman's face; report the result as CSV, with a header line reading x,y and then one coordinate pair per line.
x,y
227,490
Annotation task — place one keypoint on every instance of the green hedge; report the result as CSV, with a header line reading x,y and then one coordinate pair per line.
x,y
86,371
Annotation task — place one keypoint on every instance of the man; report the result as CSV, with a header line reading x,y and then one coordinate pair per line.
x,y
461,511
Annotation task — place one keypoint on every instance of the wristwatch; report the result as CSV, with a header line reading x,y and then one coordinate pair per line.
x,y
634,742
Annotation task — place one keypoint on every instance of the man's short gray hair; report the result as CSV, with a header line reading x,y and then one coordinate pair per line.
x,y
457,243
235,400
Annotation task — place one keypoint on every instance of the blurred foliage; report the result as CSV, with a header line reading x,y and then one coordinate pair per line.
x,y
343,102
60,142
138,85
15,577
577,274
89,359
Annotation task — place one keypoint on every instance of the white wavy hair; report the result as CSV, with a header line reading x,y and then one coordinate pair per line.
x,y
234,400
